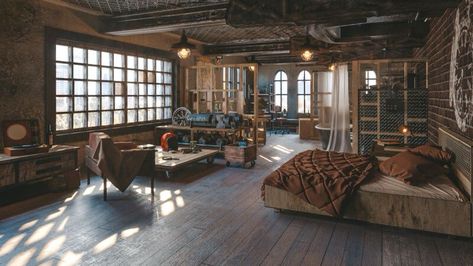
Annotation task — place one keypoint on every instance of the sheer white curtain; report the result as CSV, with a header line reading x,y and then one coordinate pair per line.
x,y
340,122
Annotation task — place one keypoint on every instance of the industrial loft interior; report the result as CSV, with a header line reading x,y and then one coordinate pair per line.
x,y
236,132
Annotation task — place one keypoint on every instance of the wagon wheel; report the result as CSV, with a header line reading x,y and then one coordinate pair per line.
x,y
180,117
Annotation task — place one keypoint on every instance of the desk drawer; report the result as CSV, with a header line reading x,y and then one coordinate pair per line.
x,y
7,175
47,166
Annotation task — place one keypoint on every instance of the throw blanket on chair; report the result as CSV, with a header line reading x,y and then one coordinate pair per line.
x,y
118,166
323,179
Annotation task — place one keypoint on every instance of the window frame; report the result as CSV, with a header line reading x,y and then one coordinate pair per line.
x,y
280,95
307,108
59,37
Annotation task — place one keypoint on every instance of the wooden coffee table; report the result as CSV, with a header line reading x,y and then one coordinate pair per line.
x,y
180,160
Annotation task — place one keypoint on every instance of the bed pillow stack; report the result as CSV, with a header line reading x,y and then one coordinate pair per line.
x,y
417,165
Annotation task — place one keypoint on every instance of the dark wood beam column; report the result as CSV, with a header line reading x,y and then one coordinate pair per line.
x,y
383,31
167,20
248,48
246,13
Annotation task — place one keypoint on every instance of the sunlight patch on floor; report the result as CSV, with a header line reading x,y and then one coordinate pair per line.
x,y
165,195
276,158
71,197
22,258
51,248
129,232
167,208
108,186
40,233
53,216
11,244
71,258
265,158
27,225
282,149
88,190
62,225
105,244
180,202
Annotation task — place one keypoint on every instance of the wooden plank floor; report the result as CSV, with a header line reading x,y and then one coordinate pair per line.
x,y
210,215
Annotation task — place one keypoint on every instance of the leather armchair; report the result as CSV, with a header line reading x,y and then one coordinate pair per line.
x,y
116,158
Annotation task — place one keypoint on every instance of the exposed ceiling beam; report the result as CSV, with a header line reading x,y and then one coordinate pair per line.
x,y
75,7
246,13
247,48
383,30
167,20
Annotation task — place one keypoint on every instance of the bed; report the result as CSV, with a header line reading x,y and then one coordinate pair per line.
x,y
441,206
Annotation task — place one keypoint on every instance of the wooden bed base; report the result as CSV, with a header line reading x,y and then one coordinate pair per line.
x,y
433,215
426,214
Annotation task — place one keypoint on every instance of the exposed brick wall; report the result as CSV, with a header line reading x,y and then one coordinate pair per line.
x,y
438,53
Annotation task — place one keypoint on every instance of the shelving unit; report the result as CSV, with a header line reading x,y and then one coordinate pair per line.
x,y
222,88
389,93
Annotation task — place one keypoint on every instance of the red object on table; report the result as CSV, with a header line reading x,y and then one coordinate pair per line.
x,y
168,141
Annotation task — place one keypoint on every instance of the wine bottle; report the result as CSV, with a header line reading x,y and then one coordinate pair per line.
x,y
50,136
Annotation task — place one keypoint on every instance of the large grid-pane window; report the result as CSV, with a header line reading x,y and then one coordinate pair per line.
x,y
370,79
280,90
97,88
303,92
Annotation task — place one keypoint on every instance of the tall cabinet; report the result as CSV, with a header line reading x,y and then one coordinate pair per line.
x,y
387,94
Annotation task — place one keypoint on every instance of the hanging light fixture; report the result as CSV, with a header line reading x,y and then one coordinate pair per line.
x,y
183,47
307,51
331,66
251,68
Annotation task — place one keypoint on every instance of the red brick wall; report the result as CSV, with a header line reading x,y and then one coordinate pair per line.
x,y
438,52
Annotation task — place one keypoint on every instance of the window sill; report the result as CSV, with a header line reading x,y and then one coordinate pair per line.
x,y
66,137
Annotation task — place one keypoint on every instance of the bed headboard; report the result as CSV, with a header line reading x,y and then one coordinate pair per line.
x,y
463,150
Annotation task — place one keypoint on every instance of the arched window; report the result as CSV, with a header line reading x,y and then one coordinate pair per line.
x,y
280,90
303,92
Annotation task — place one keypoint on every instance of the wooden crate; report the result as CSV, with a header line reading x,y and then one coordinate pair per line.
x,y
307,128
240,155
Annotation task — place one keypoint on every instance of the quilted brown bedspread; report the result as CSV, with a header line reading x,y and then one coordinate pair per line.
x,y
323,179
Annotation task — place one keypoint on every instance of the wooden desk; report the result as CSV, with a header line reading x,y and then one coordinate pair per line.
x,y
15,170
181,160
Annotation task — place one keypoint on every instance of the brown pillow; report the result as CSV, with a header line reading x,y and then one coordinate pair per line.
x,y
434,153
410,168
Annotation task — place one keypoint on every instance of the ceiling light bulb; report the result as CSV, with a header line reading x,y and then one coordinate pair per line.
x,y
184,53
307,55
252,68
331,67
